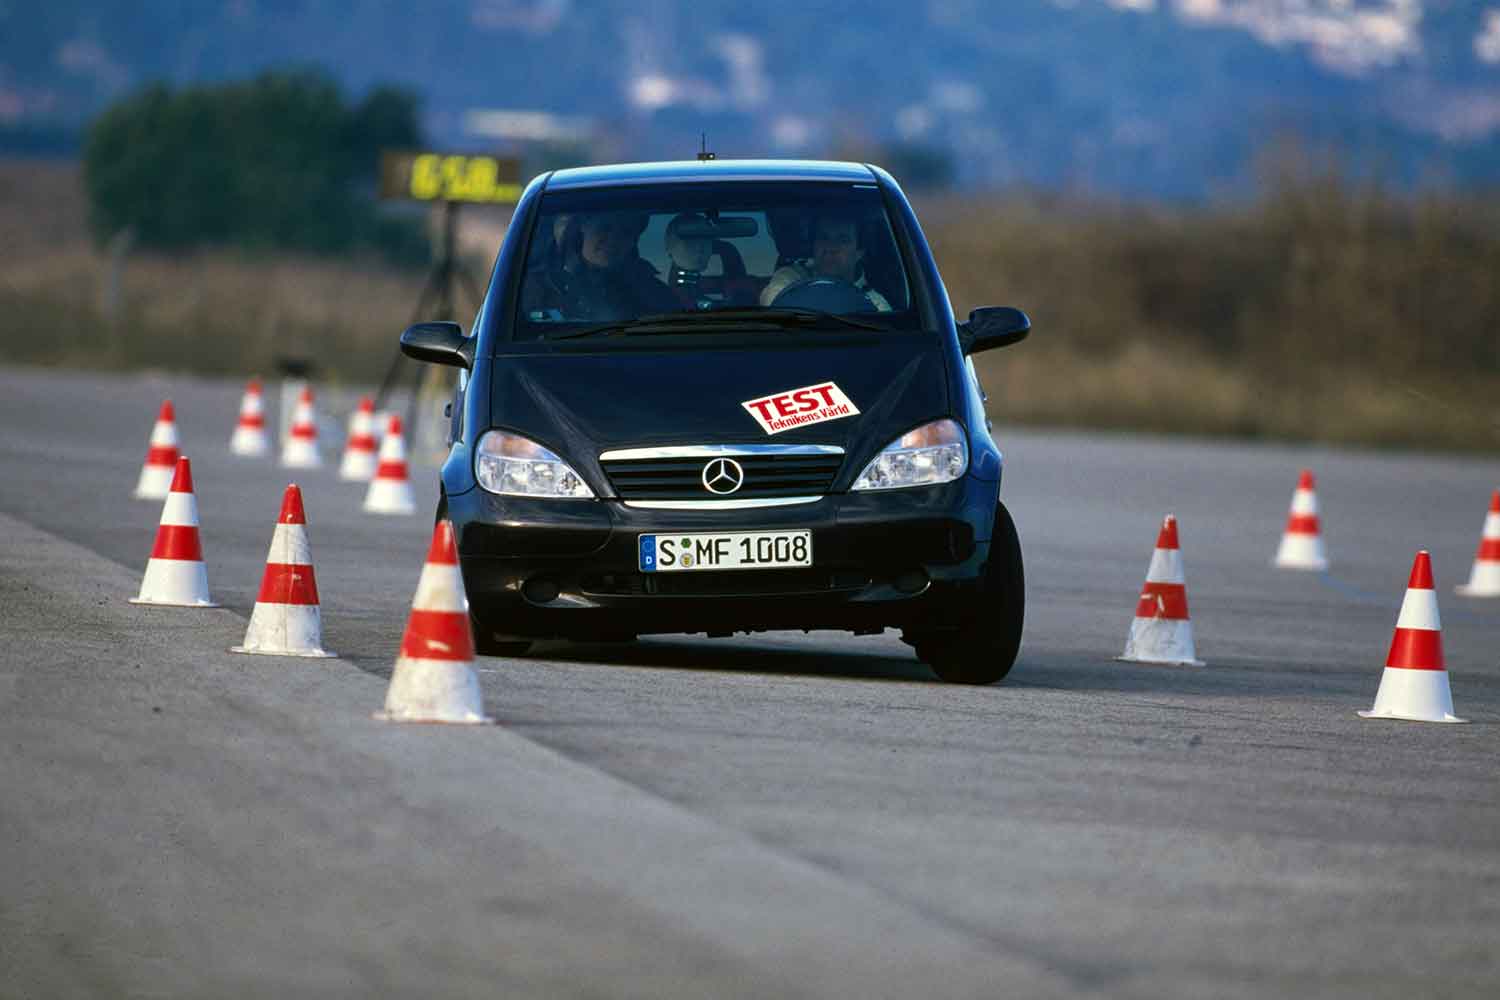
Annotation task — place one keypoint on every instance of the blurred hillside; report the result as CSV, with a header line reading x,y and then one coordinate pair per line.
x,y
1096,97
1323,311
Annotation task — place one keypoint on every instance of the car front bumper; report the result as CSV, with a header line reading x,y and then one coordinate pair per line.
x,y
898,558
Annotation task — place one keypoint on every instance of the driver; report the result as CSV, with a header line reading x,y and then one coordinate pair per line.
x,y
836,254
604,278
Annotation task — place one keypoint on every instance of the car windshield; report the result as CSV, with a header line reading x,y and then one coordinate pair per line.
x,y
699,257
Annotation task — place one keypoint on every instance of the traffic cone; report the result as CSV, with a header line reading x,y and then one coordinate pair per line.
x,y
1301,543
359,453
301,448
434,679
161,457
250,431
286,620
1484,578
390,491
1415,683
175,573
1161,631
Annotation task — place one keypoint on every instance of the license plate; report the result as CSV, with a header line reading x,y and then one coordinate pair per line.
x,y
737,550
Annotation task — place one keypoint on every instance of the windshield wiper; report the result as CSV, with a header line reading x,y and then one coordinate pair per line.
x,y
728,319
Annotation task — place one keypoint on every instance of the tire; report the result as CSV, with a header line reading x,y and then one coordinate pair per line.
x,y
983,648
485,643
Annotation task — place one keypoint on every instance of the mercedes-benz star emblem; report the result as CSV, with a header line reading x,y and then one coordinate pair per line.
x,y
723,476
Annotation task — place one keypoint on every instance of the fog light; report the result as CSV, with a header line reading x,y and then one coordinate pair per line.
x,y
913,581
540,590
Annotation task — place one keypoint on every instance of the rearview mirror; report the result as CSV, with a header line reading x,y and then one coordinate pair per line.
x,y
440,343
989,327
725,227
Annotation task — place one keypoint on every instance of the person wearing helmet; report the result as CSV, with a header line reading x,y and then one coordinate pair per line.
x,y
602,275
836,253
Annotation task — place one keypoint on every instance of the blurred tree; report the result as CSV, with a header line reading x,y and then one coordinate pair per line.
x,y
271,162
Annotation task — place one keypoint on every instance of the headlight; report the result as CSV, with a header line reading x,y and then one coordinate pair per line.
x,y
933,453
517,466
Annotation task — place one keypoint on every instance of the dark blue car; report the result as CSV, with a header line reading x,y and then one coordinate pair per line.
x,y
727,396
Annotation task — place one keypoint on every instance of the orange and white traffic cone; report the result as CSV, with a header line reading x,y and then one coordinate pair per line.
x,y
359,453
250,430
1302,542
286,620
1415,683
434,679
301,448
175,573
1162,631
390,490
161,457
1484,578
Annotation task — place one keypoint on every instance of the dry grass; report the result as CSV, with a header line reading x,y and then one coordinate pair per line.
x,y
217,312
1320,314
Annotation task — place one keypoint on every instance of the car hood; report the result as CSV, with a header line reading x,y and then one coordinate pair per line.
x,y
582,404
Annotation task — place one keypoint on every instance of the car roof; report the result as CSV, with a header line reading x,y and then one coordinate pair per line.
x,y
621,174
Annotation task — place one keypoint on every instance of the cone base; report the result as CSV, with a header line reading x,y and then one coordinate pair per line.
x,y
1484,580
250,451
175,604
359,469
1160,663
311,654
475,720
1403,717
384,503
1464,590
1310,566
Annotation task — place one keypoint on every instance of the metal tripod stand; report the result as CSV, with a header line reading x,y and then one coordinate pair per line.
x,y
425,383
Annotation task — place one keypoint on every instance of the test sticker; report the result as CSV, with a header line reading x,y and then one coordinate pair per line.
x,y
811,404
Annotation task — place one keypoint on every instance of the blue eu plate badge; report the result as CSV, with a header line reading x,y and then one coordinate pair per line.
x,y
648,553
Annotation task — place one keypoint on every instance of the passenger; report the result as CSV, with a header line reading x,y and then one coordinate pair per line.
x,y
604,278
836,253
689,255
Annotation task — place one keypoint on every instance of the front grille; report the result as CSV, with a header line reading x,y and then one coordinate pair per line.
x,y
681,478
739,583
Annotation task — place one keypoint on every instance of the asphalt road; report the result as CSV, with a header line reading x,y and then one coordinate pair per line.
x,y
782,815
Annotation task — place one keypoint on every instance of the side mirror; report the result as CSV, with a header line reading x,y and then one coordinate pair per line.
x,y
439,343
989,327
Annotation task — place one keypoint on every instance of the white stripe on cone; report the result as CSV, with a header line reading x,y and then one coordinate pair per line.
x,y
172,581
300,450
433,688
1162,636
281,629
390,494
358,464
155,481
1302,549
1484,577
1414,684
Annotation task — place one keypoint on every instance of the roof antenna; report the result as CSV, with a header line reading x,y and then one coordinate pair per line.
x,y
703,153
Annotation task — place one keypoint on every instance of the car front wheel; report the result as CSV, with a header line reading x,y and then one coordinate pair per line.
x,y
984,646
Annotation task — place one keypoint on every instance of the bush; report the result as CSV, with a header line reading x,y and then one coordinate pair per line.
x,y
281,161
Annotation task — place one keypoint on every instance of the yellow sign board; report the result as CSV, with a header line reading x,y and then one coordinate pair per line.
x,y
463,177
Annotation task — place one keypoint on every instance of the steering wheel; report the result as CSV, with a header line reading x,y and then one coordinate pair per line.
x,y
832,295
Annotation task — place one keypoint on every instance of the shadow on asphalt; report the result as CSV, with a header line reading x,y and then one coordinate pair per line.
x,y
735,658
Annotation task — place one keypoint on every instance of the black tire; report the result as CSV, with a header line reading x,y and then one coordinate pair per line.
x,y
485,643
983,648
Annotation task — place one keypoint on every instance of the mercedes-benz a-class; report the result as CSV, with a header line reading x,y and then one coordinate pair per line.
x,y
725,396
